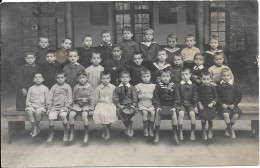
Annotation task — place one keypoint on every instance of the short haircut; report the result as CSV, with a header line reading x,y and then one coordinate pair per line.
x,y
60,73
29,53
166,70
138,53
225,70
43,38
178,55
124,72
127,28
82,72
148,30
66,38
50,52
145,71
37,72
199,54
73,50
105,73
163,50
186,69
213,37
190,36
105,32
219,53
87,35
116,46
96,53
205,73
172,36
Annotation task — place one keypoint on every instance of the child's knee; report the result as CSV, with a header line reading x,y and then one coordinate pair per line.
x,y
192,114
72,114
30,112
38,112
226,115
145,113
181,114
85,115
63,116
235,116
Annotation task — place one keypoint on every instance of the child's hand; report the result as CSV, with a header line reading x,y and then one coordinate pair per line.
x,y
212,84
24,91
210,105
65,109
48,111
173,110
231,106
201,107
114,68
178,108
196,110
158,109
224,106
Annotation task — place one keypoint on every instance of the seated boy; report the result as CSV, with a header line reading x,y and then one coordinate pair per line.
x,y
229,97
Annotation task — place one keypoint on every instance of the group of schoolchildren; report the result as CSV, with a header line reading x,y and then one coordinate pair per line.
x,y
118,80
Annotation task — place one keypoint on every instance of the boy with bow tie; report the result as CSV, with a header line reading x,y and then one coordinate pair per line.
x,y
229,98
188,102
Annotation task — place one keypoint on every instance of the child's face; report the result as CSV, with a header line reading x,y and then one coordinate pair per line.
x,y
105,79
44,42
205,79
138,59
166,77
127,35
38,79
50,57
30,59
177,60
198,60
146,77
82,79
213,44
66,44
117,52
171,42
190,42
162,56
87,42
218,60
106,37
73,57
148,36
226,76
96,59
125,78
60,78
185,75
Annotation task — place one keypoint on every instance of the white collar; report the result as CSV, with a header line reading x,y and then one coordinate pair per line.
x,y
198,67
144,43
76,64
229,82
127,85
183,82
84,86
165,66
212,53
172,51
102,86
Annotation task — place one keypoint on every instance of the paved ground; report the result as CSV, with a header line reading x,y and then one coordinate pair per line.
x,y
25,151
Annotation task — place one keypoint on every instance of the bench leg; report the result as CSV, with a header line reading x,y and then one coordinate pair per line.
x,y
255,126
13,128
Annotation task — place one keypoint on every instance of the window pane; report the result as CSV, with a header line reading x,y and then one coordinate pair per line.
x,y
138,37
127,24
214,33
213,4
119,6
145,18
145,26
138,6
138,28
221,16
222,26
127,18
126,5
138,18
214,16
214,26
222,36
119,19
221,4
145,7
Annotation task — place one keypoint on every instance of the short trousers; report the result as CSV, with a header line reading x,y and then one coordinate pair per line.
x,y
165,110
207,113
231,112
55,112
123,116
187,109
34,109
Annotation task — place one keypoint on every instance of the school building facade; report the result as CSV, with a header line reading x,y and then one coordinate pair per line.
x,y
235,22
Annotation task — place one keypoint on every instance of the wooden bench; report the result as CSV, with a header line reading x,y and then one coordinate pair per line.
x,y
16,119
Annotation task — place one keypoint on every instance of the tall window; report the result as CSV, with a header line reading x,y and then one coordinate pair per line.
x,y
134,14
218,21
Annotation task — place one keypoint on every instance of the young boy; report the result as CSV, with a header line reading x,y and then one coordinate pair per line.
x,y
42,50
36,102
50,68
125,99
214,48
72,68
229,98
94,70
135,67
172,49
215,70
59,101
129,46
149,48
189,52
83,102
25,79
188,102
207,99
198,68
105,48
85,52
166,99
115,64
177,67
62,54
